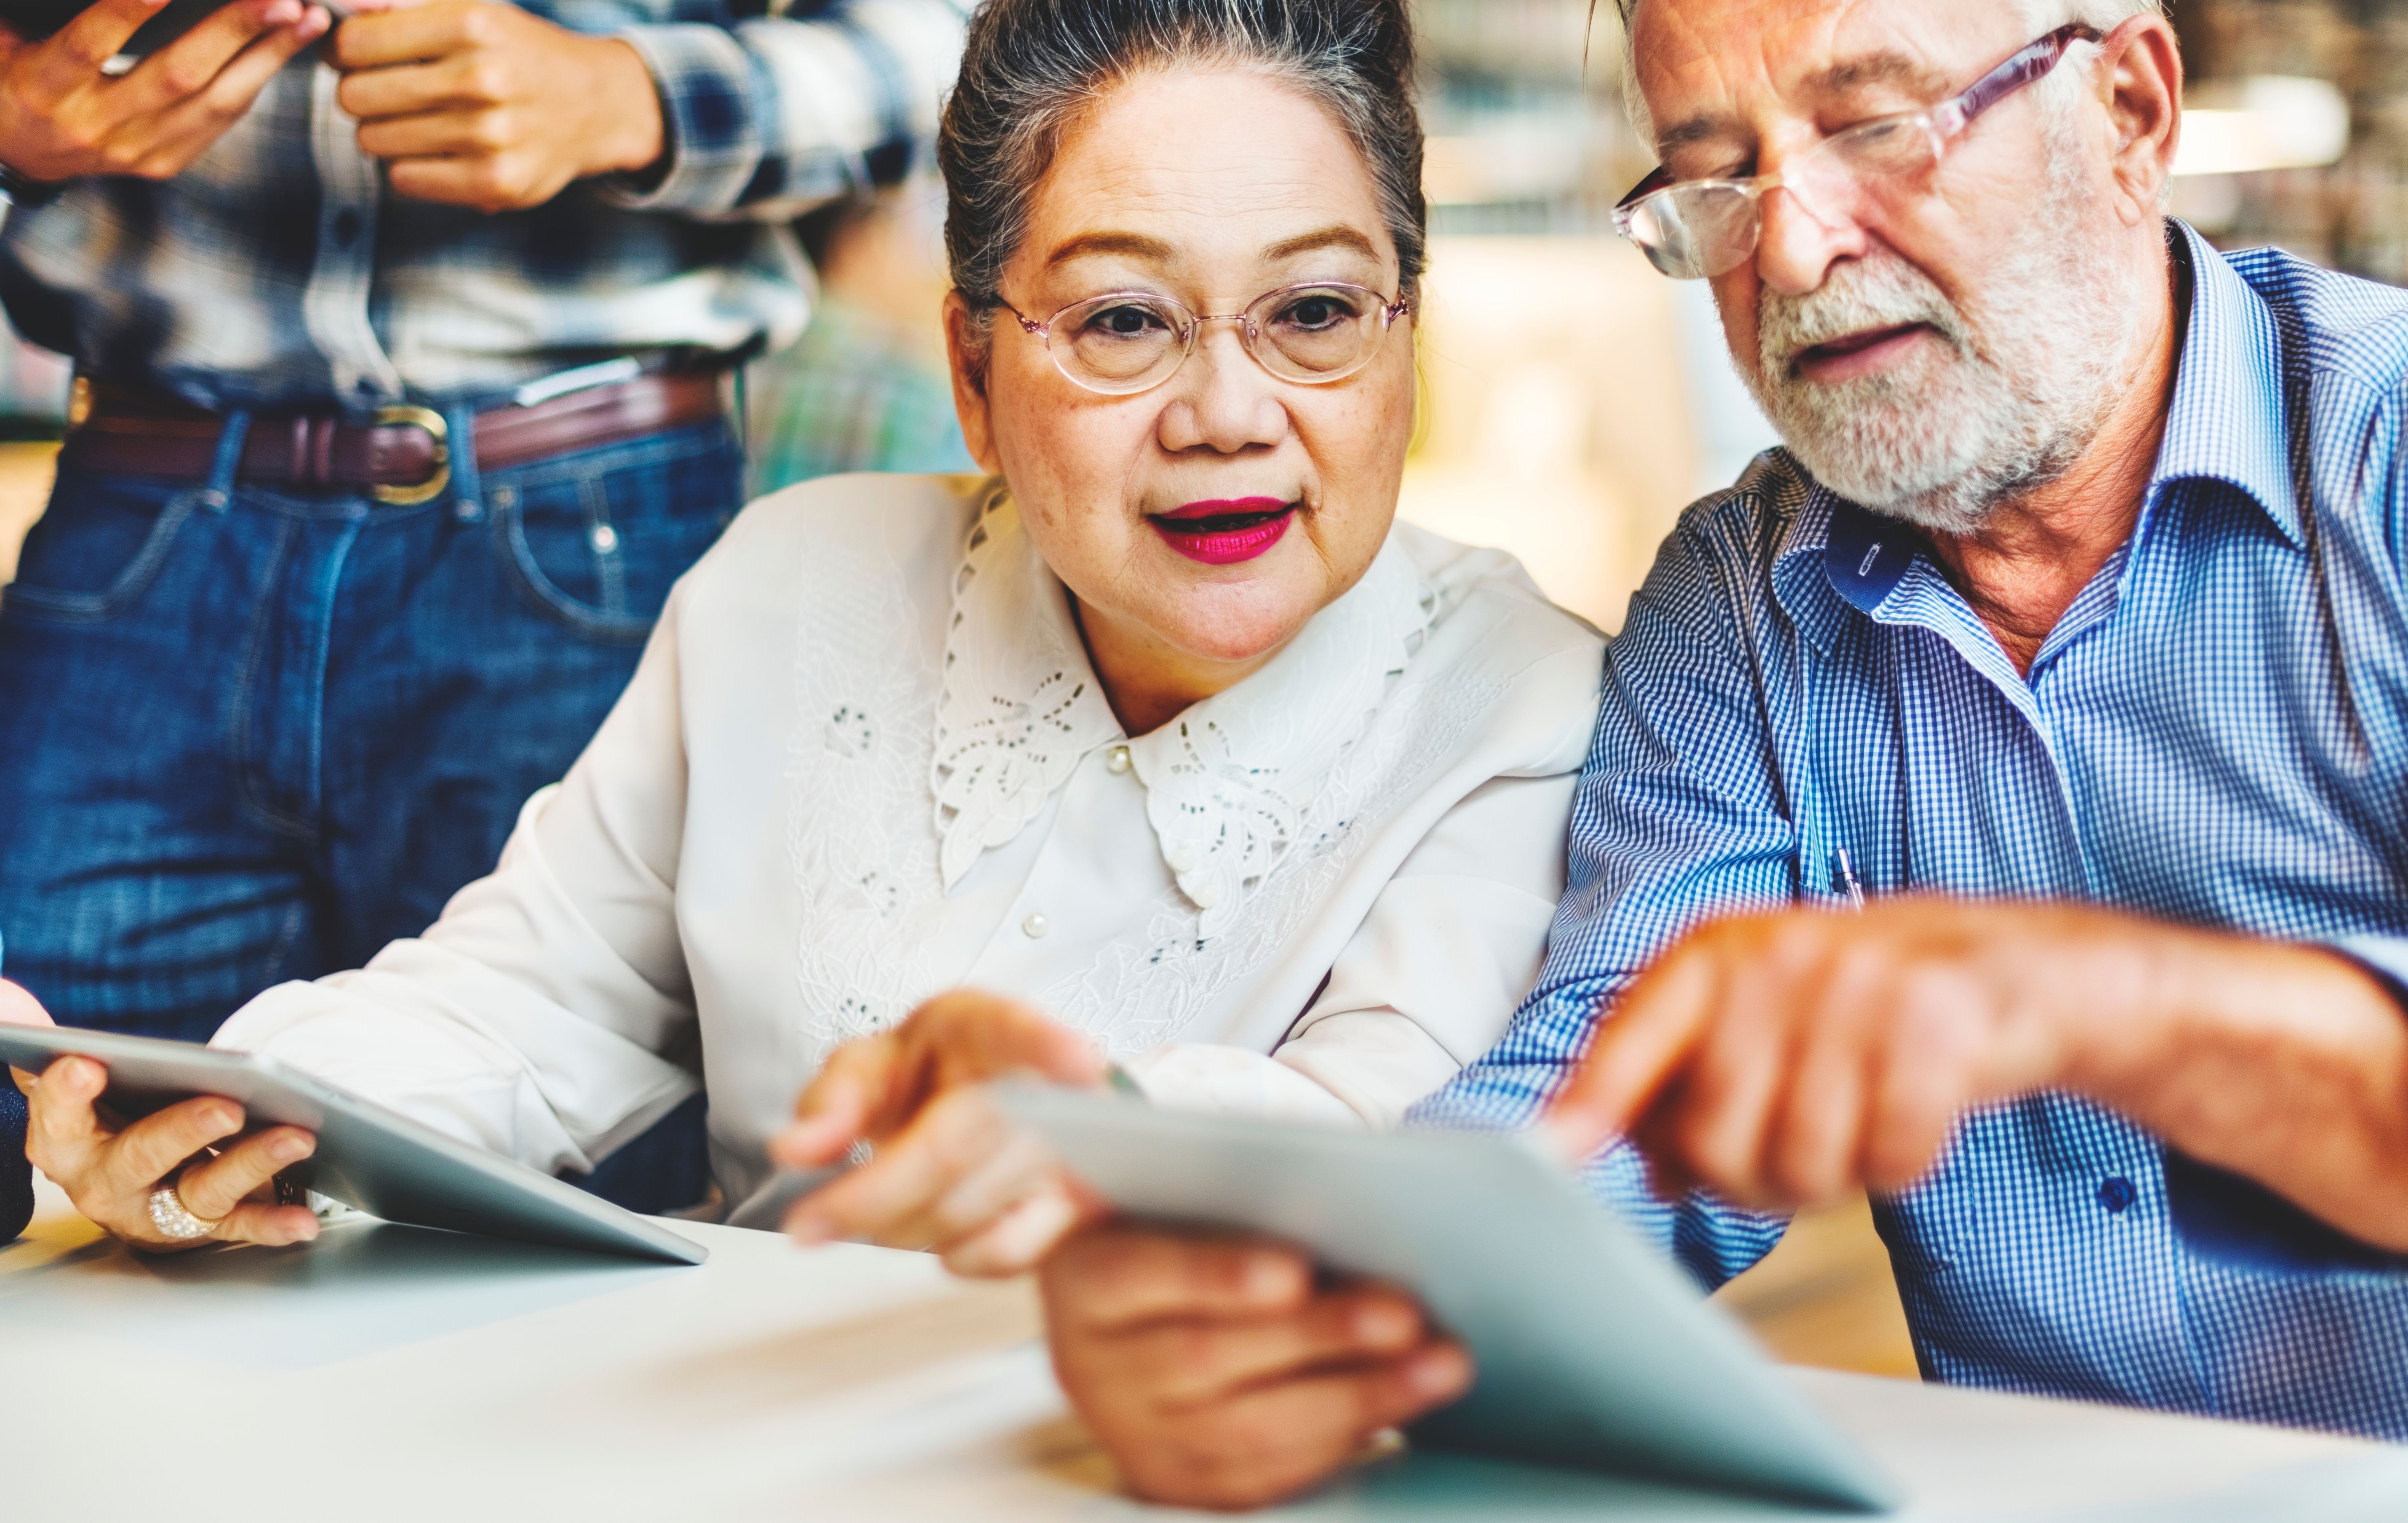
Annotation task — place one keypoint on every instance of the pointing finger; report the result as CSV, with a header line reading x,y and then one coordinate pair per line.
x,y
1637,1051
839,1105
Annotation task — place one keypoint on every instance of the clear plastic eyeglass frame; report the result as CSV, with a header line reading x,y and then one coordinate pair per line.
x,y
1696,229
1124,342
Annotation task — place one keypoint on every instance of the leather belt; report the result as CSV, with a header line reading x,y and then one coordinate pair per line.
x,y
399,455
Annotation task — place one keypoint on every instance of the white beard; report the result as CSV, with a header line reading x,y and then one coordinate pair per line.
x,y
2009,397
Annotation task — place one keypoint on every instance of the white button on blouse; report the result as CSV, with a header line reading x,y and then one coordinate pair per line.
x,y
865,760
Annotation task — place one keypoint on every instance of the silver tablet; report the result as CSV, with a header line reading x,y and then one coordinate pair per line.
x,y
368,1157
1591,1348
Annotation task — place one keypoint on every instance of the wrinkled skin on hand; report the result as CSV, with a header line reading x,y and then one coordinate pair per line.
x,y
110,1171
950,1173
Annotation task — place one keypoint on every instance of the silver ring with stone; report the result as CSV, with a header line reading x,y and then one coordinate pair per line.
x,y
172,1220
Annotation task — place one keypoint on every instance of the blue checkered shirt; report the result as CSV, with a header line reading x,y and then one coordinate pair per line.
x,y
2215,733
279,269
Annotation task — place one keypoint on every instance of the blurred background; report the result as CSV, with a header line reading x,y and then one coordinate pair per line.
x,y
1570,429
1573,401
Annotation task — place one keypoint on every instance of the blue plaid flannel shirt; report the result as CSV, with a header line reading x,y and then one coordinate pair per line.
x,y
279,270
2215,733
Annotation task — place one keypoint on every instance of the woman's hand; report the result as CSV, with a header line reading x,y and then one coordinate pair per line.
x,y
949,1171
109,1173
1219,1374
20,1008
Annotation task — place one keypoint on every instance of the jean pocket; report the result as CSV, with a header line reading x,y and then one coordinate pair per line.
x,y
596,540
97,548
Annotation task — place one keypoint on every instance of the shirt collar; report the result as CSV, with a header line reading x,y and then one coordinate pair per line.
x,y
1228,783
2229,419
1021,706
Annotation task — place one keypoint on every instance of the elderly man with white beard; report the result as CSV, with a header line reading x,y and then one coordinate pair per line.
x,y
1996,802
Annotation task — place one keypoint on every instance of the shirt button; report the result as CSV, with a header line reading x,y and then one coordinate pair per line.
x,y
1205,895
605,539
1181,860
1035,927
1116,760
2116,1193
347,227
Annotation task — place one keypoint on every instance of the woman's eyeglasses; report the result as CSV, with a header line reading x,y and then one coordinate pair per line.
x,y
1696,229
1126,342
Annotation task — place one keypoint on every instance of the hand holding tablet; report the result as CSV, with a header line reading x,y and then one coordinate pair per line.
x,y
1587,1348
160,1096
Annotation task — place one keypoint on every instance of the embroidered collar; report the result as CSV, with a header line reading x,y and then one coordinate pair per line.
x,y
1228,783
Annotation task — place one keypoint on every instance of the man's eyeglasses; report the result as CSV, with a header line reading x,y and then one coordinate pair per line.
x,y
1696,229
1126,342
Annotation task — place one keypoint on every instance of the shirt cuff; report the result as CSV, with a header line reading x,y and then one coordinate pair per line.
x,y
2385,956
710,125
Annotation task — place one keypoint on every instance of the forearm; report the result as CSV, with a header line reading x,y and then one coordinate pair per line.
x,y
2282,1062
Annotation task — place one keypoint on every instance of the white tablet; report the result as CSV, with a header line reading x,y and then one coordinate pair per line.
x,y
368,1157
1591,1349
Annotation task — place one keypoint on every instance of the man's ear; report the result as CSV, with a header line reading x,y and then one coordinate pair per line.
x,y
2143,79
966,350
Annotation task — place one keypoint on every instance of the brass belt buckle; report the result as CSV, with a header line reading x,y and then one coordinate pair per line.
x,y
432,422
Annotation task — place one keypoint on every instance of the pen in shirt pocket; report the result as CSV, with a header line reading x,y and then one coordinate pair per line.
x,y
1855,890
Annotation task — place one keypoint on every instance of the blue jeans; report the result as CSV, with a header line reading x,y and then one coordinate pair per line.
x,y
248,736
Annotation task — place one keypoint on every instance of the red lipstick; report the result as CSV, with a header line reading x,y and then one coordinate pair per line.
x,y
1225,531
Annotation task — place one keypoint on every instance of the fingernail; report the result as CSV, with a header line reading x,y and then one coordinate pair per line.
x,y
222,1118
809,1229
289,1149
1380,1323
1265,1277
1434,1373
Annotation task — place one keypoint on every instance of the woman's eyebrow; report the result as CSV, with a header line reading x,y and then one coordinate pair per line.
x,y
1336,236
1135,244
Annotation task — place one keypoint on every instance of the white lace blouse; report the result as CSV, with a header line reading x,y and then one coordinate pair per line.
x,y
865,760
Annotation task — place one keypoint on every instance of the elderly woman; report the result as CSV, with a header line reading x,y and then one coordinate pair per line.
x,y
1164,728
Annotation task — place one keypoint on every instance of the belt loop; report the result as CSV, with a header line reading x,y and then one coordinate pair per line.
x,y
227,463
322,451
468,482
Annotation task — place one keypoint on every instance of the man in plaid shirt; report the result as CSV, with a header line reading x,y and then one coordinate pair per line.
x,y
400,348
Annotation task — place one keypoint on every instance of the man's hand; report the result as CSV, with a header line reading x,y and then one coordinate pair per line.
x,y
1784,1060
1217,1374
61,118
950,1173
484,104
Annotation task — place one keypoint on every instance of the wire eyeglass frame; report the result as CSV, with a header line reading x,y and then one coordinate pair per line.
x,y
1697,229
1186,324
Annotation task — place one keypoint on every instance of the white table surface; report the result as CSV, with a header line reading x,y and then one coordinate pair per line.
x,y
388,1372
